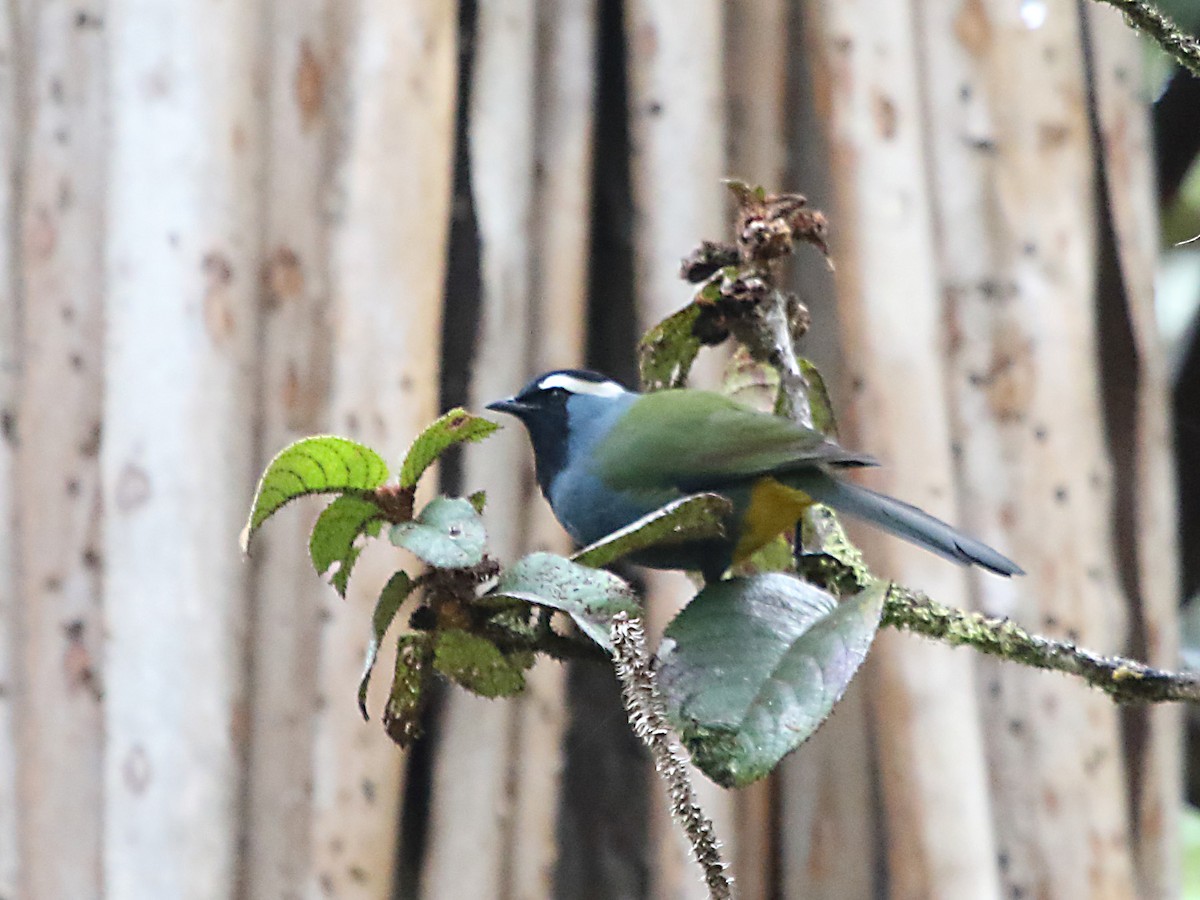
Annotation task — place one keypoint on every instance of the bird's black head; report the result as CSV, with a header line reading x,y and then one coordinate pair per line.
x,y
542,406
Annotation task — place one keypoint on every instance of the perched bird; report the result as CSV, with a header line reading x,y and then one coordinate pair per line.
x,y
606,456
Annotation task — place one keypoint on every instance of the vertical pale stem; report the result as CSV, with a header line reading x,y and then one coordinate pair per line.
x,y
294,357
930,750
827,806
1127,158
677,128
1012,175
10,129
388,244
57,460
471,837
176,455
565,110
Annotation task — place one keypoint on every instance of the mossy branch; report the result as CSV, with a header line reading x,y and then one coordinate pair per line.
x,y
1156,25
1125,680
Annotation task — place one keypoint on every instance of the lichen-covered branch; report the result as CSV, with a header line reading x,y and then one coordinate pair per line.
x,y
1152,22
644,706
1125,680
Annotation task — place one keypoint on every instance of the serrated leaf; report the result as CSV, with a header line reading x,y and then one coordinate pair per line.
x,y
317,465
479,665
666,352
391,598
335,532
454,427
589,596
408,694
448,534
691,518
752,666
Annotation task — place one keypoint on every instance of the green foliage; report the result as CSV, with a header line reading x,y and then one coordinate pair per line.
x,y
316,465
774,556
688,519
391,598
456,426
1190,828
752,666
448,534
589,596
749,668
667,351
335,532
824,420
479,665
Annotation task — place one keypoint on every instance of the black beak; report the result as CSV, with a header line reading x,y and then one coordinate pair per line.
x,y
511,406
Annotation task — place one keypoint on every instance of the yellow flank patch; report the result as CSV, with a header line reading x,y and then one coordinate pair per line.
x,y
774,507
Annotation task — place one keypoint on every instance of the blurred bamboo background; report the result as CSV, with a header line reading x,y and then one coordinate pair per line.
x,y
233,223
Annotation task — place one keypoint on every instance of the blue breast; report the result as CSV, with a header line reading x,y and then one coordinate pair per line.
x,y
589,509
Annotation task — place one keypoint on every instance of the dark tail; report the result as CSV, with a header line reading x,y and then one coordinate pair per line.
x,y
907,522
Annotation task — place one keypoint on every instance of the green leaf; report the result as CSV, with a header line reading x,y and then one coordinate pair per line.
x,y
744,193
448,534
818,400
333,536
666,352
454,427
479,501
408,695
750,382
691,518
316,465
752,666
479,665
589,596
391,598
774,556
1189,828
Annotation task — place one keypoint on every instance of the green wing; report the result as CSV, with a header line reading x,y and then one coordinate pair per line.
x,y
699,439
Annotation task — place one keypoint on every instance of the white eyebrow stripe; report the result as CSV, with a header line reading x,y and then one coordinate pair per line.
x,y
580,386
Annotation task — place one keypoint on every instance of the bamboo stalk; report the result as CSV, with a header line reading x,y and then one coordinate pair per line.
x,y
826,805
388,244
471,838
1153,736
57,466
677,130
176,455
294,357
565,110
930,752
10,309
1013,173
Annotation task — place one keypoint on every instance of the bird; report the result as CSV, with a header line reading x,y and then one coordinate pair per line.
x,y
605,456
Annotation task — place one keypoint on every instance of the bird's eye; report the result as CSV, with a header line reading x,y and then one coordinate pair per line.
x,y
557,392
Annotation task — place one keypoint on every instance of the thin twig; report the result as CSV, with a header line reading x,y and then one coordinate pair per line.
x,y
644,706
1157,26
